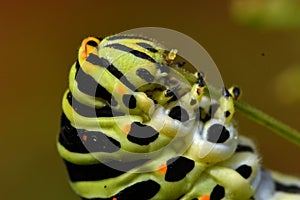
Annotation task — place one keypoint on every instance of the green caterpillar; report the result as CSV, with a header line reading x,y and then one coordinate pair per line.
x,y
133,128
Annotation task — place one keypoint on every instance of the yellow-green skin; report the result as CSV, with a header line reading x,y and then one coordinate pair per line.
x,y
227,170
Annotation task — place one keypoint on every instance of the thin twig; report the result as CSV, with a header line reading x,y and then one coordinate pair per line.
x,y
268,121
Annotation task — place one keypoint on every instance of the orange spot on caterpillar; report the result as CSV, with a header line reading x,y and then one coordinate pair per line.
x,y
120,89
205,197
126,128
114,198
162,169
84,137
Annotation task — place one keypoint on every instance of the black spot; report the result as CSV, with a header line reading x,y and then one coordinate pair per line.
x,y
244,170
217,133
173,98
147,46
193,102
169,93
143,191
129,101
202,115
88,111
177,168
142,134
243,148
217,193
200,80
236,92
83,141
227,113
173,93
287,188
145,75
179,113
226,93
92,43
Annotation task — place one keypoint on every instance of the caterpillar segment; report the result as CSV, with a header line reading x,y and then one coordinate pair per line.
x,y
133,128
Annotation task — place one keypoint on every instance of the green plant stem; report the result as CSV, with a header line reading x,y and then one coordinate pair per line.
x,y
268,121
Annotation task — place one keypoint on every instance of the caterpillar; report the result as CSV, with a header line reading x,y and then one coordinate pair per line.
x,y
133,127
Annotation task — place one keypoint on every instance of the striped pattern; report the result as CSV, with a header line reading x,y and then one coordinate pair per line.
x,y
125,105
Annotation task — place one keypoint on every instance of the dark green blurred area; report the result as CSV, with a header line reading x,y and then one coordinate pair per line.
x,y
39,42
267,14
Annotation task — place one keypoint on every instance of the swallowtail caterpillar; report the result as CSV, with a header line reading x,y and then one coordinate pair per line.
x,y
132,128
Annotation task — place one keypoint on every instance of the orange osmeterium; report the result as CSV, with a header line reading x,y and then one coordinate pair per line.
x,y
86,48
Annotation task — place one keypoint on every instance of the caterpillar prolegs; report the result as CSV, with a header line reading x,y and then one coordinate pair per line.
x,y
134,128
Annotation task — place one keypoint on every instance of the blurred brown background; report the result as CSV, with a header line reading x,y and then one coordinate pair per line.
x,y
39,42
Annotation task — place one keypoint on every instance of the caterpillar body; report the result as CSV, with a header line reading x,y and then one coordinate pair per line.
x,y
133,128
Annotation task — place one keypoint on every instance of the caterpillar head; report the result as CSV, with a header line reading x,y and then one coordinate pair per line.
x,y
137,77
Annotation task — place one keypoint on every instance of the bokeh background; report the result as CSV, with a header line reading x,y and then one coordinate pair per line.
x,y
255,44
